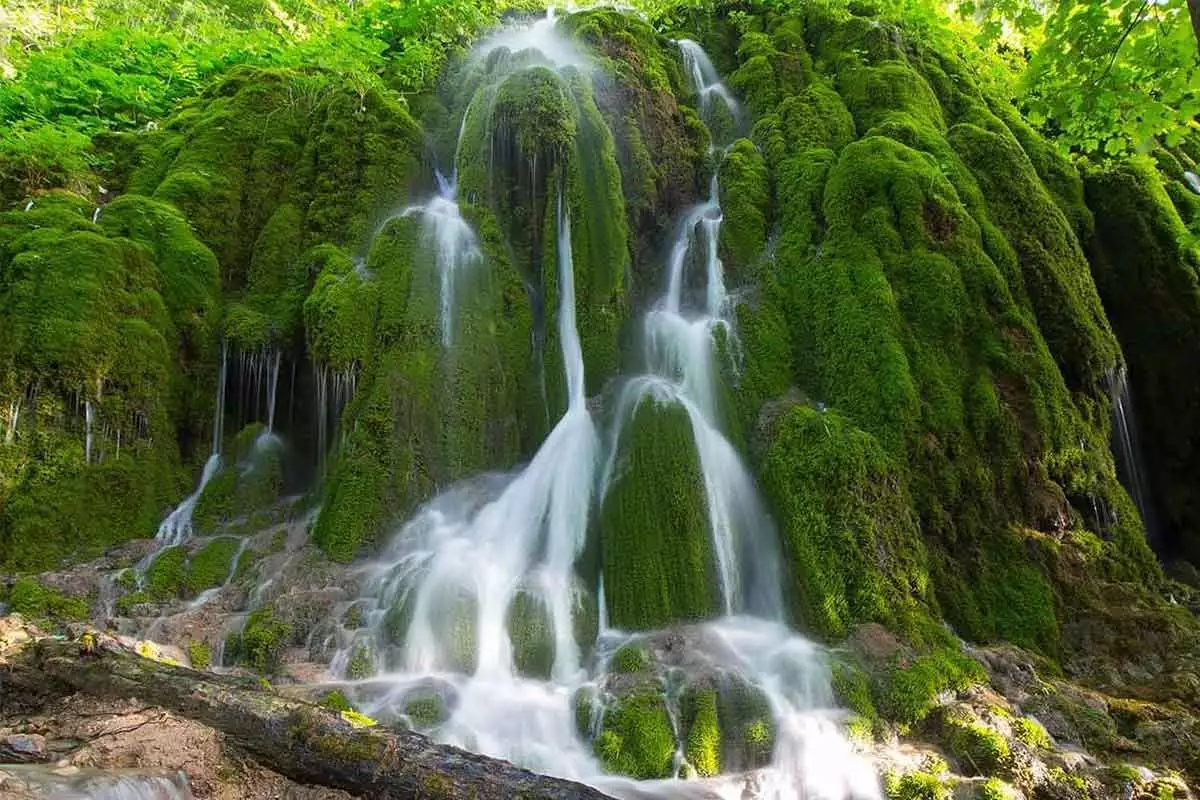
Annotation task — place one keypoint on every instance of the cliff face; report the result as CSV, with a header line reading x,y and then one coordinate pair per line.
x,y
935,316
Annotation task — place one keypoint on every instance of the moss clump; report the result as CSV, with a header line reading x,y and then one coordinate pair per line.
x,y
846,522
426,712
335,701
360,665
980,750
657,549
104,324
745,197
636,738
907,692
532,636
630,659
261,643
200,654
33,600
247,488
166,577
996,789
1031,733
703,737
915,786
211,565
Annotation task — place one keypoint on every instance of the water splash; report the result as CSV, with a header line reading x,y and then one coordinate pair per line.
x,y
541,36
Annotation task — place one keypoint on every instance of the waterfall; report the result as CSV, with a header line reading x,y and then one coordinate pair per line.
x,y
462,561
680,353
219,407
14,417
29,206
443,606
335,389
178,525
87,436
1130,464
452,241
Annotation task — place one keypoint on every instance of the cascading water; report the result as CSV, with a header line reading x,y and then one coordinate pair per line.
x,y
442,608
335,389
452,242
462,563
1130,465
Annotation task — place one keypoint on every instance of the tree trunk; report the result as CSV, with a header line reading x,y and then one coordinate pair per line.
x,y
299,740
1194,10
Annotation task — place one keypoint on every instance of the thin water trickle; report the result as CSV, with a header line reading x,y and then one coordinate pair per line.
x,y
1130,464
452,242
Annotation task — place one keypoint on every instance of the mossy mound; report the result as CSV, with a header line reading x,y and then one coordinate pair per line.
x,y
656,545
106,329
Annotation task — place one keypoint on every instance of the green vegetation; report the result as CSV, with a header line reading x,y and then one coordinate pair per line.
x,y
657,549
703,738
200,654
33,600
636,737
261,642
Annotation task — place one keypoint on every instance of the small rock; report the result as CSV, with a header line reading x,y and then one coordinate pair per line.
x,y
23,748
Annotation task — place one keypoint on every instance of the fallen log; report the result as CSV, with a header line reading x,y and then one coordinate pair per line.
x,y
297,739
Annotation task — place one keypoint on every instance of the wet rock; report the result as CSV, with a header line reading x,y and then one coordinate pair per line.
x,y
23,748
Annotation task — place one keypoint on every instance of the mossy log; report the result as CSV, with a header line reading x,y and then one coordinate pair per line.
x,y
300,740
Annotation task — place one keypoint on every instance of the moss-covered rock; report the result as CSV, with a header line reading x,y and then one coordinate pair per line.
x,y
636,737
656,546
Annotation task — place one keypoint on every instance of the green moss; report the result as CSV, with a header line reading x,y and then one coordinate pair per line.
x,y
199,654
1031,733
1056,274
847,526
630,659
530,629
980,750
247,488
36,601
166,578
745,194
335,701
426,712
636,738
360,666
211,565
915,786
655,541
909,691
116,317
1148,282
261,643
703,737
996,789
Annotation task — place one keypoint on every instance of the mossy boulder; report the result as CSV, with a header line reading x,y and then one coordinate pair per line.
x,y
656,546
